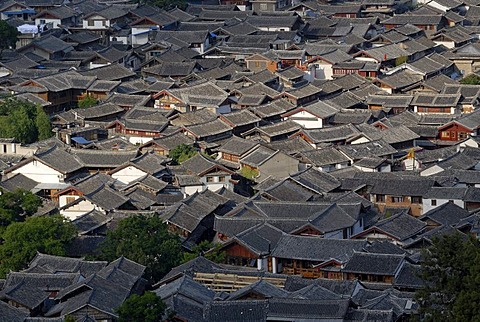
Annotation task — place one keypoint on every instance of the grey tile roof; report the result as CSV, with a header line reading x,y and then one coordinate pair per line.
x,y
259,156
110,72
125,100
240,118
401,226
375,264
297,309
98,111
275,108
202,131
246,310
414,19
170,68
371,163
352,116
110,12
401,79
90,221
396,184
384,247
389,101
18,181
354,315
320,109
290,146
277,129
260,239
330,134
392,135
50,44
186,296
149,162
436,100
315,291
43,263
316,180
408,277
200,165
376,148
103,158
448,214
57,158
12,314
171,141
288,190
260,287
237,146
205,94
140,198
32,289
316,249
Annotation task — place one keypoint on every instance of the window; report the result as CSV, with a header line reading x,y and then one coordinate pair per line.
x,y
416,199
397,199
445,134
221,179
433,202
91,23
69,199
380,198
462,135
42,21
263,7
209,179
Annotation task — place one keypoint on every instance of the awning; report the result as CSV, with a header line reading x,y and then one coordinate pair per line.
x,y
80,140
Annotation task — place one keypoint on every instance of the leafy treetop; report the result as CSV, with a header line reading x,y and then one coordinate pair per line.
x,y
208,250
145,240
8,35
23,121
88,101
16,206
471,79
452,284
182,153
147,308
22,240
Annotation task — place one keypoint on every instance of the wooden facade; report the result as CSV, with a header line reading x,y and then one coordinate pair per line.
x,y
454,132
413,202
236,254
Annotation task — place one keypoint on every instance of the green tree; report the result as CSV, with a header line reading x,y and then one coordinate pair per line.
x,y
42,122
23,121
21,240
146,308
16,206
21,126
471,79
208,250
144,240
182,153
249,173
88,101
8,36
401,60
165,4
452,280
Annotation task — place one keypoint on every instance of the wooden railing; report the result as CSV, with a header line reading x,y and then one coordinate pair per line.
x,y
305,272
232,282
